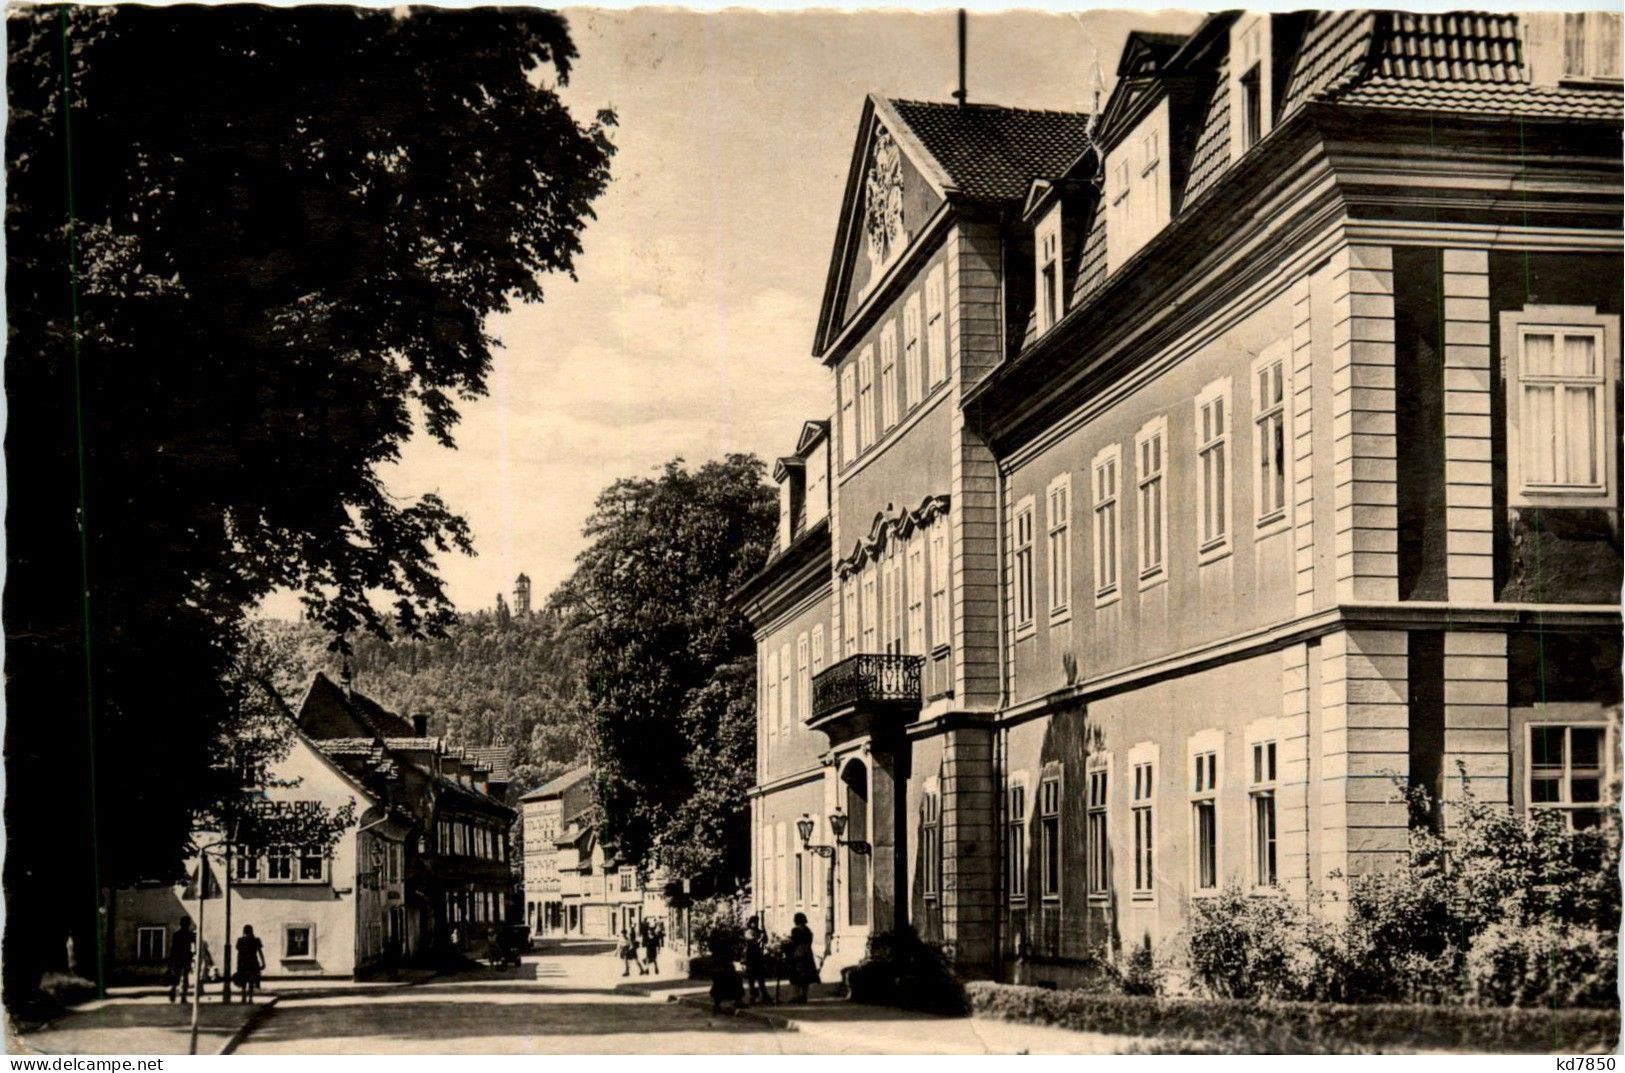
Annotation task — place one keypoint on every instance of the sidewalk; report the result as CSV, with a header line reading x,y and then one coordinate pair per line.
x,y
143,1026
855,1028
140,1019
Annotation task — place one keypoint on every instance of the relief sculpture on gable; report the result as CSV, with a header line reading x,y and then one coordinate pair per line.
x,y
883,224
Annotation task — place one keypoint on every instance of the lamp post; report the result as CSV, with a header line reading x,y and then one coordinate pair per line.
x,y
837,827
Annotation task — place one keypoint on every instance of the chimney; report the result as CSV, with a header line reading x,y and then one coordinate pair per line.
x,y
420,726
960,94
346,677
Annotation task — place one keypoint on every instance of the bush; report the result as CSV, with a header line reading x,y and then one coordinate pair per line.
x,y
1256,1026
1501,908
1543,965
1243,946
1138,973
901,969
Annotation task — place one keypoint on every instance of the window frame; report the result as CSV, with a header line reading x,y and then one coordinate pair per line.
x,y
1267,517
850,448
913,359
1217,442
849,615
930,844
1592,46
1264,845
819,652
291,926
1023,590
786,697
936,325
867,425
1605,770
803,676
869,608
1052,865
162,954
1146,482
1049,279
1142,761
1107,515
1058,546
1097,827
1515,326
914,616
770,701
1204,775
1015,826
941,569
890,410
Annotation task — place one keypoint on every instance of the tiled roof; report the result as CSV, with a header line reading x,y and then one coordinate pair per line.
x,y
557,786
1490,98
992,153
1459,62
1212,153
498,758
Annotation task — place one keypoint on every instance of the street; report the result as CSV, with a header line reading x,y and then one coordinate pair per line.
x,y
564,1000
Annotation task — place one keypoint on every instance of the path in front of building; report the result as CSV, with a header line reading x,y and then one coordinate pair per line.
x,y
565,999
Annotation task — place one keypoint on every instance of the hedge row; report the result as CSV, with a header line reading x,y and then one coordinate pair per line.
x,y
1305,1027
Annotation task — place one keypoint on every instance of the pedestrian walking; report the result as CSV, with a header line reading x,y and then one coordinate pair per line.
x,y
803,965
182,947
250,963
627,951
755,961
651,948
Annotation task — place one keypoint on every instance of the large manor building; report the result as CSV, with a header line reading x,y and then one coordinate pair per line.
x,y
1192,473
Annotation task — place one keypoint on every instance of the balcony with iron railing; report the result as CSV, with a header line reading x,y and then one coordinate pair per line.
x,y
867,684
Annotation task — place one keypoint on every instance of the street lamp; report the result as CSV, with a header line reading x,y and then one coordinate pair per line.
x,y
837,827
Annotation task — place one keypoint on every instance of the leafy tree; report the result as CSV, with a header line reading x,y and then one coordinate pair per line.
x,y
250,250
668,665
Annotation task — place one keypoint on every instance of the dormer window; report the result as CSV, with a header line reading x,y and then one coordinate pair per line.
x,y
1250,88
1048,247
1571,46
1138,203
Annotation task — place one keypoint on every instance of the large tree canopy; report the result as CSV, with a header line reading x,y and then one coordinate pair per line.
x,y
668,664
249,250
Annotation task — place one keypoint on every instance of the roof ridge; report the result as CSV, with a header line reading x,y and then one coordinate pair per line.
x,y
990,106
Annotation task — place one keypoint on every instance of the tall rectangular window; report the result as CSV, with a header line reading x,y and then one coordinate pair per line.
x,y
1252,107
936,324
151,942
930,844
1098,855
866,397
1049,833
871,611
1048,250
1269,424
1024,563
818,654
1105,469
1144,829
1205,818
1057,515
916,598
1151,500
939,583
1015,842
801,880
770,692
849,614
888,374
1212,467
849,414
913,356
804,677
1568,770
312,863
1262,794
1564,362
892,593
279,863
784,686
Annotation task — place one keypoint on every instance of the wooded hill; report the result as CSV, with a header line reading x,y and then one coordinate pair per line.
x,y
494,679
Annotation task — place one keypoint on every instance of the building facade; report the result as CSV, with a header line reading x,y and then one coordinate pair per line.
x,y
542,814
460,878
1199,471
319,911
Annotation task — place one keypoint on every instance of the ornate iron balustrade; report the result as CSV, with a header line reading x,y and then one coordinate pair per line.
x,y
867,678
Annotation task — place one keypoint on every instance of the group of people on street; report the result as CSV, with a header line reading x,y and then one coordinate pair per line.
x,y
183,952
794,961
641,946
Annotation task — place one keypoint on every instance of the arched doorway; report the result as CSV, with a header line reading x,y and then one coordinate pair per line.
x,y
855,779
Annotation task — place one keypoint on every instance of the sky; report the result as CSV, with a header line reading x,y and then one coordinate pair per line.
x,y
688,332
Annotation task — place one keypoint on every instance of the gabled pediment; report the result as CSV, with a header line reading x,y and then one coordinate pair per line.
x,y
892,186
811,433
